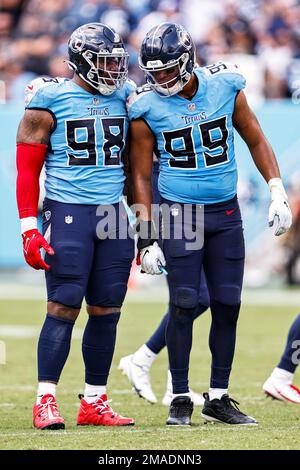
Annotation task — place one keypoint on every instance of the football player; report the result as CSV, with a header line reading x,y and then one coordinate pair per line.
x,y
188,114
77,128
280,383
137,365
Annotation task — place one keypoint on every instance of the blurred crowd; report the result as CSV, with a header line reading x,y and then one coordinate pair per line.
x,y
261,36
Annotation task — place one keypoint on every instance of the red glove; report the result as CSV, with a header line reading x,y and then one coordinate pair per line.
x,y
33,241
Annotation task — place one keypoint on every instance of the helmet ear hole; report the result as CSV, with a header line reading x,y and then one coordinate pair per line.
x,y
71,65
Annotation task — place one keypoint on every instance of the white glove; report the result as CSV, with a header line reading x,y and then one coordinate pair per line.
x,y
152,258
279,207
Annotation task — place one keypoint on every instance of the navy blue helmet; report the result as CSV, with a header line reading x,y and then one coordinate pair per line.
x,y
167,57
97,55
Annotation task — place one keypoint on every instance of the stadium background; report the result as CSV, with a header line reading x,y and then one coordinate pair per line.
x,y
263,38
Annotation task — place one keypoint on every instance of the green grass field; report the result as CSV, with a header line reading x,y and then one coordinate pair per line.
x,y
261,337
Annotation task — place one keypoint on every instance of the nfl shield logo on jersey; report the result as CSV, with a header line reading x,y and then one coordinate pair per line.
x,y
69,219
192,107
47,215
96,101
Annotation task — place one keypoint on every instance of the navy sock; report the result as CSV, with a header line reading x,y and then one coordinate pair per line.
x,y
158,340
222,341
290,358
53,347
98,345
179,333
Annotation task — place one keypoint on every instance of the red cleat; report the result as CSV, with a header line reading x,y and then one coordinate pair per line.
x,y
100,413
46,414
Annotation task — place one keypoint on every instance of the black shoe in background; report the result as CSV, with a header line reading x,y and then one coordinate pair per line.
x,y
225,411
180,412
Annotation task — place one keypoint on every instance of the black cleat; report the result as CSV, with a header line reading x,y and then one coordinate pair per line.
x,y
54,426
225,411
180,412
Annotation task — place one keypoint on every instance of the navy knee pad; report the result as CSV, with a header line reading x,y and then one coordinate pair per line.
x,y
185,297
182,315
116,294
70,295
112,295
224,314
229,294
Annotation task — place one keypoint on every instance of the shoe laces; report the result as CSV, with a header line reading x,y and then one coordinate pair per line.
x,y
43,407
181,409
103,406
231,403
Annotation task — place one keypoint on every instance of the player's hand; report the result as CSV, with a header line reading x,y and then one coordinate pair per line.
x,y
33,241
279,212
151,259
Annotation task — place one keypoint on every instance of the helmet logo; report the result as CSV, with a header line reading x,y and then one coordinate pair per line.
x,y
77,43
184,38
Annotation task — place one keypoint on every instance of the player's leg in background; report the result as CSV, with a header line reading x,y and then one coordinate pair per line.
x,y
280,383
224,255
157,340
105,295
68,230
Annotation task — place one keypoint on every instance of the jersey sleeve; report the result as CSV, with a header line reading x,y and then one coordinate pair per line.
x,y
228,73
40,92
137,103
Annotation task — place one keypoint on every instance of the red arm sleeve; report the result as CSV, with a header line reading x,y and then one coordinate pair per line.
x,y
30,160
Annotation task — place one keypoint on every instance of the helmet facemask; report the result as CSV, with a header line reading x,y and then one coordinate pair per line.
x,y
108,70
179,77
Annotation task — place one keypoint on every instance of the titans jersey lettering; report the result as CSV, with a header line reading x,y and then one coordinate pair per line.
x,y
83,163
194,137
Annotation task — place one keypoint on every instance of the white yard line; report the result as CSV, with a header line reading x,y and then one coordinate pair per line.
x,y
152,294
29,332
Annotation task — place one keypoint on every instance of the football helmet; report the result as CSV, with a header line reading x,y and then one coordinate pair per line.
x,y
167,58
98,56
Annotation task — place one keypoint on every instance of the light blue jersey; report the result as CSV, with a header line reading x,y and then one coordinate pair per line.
x,y
83,163
194,137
